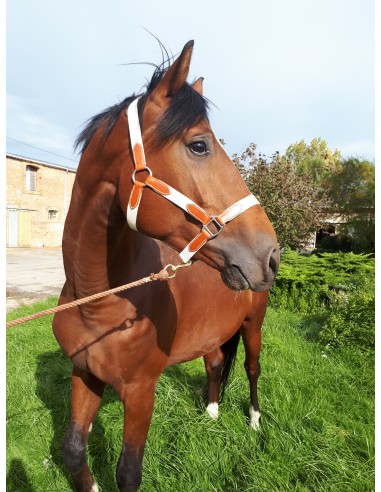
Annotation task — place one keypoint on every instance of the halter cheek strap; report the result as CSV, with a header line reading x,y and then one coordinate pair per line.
x,y
211,225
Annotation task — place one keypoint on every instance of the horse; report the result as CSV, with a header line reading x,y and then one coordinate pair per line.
x,y
154,185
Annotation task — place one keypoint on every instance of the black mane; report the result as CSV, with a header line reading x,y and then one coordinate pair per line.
x,y
186,109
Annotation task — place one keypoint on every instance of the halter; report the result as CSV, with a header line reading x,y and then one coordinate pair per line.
x,y
211,225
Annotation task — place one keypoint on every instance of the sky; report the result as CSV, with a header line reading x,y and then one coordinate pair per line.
x,y
277,71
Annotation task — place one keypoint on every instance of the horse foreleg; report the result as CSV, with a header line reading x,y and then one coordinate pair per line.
x,y
251,336
87,393
213,364
138,399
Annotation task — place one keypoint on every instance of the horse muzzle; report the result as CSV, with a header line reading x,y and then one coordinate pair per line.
x,y
254,274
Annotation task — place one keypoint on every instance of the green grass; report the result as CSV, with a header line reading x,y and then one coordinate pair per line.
x,y
317,419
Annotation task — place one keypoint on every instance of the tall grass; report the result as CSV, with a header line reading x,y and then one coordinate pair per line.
x,y
317,419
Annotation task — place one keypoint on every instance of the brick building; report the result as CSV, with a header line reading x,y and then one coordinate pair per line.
x,y
37,199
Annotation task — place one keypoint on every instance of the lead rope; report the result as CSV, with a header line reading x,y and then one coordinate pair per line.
x,y
164,274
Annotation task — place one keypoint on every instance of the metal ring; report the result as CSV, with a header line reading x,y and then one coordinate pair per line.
x,y
139,171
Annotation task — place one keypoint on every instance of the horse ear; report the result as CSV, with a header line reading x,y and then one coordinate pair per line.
x,y
197,85
175,77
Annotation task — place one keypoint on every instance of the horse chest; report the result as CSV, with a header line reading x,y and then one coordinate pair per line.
x,y
206,323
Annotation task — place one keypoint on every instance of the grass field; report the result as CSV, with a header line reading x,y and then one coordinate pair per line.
x,y
317,419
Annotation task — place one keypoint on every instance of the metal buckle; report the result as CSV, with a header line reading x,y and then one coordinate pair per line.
x,y
218,226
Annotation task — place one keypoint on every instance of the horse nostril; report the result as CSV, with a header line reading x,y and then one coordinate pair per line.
x,y
274,261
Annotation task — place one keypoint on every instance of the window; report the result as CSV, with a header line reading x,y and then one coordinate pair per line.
x,y
31,178
52,214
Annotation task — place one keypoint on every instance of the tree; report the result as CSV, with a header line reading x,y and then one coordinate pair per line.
x,y
315,160
352,190
290,200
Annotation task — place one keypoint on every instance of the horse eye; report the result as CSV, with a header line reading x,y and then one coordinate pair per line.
x,y
198,148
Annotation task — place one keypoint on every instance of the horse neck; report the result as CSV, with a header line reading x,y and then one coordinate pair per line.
x,y
96,232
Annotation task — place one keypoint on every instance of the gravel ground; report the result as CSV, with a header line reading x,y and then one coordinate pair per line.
x,y
33,274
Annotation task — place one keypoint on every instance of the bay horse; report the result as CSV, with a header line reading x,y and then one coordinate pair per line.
x,y
154,184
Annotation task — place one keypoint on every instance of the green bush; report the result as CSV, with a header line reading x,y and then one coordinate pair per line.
x,y
338,286
351,319
305,283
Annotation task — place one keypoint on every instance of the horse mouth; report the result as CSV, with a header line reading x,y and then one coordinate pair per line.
x,y
235,279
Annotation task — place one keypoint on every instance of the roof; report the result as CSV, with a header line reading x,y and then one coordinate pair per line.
x,y
41,163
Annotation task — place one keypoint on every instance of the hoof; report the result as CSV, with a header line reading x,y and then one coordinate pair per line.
x,y
212,410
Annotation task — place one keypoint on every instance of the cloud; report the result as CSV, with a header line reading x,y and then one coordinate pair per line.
x,y
26,123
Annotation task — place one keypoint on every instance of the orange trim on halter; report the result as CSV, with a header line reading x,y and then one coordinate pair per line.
x,y
139,158
199,241
136,194
198,213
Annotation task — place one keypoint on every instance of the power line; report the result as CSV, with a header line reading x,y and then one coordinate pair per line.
x,y
42,150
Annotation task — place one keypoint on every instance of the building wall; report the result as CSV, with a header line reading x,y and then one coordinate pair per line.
x,y
36,218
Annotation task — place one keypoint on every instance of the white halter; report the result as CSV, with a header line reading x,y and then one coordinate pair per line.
x,y
173,195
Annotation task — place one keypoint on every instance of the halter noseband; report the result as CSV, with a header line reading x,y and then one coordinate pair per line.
x,y
211,225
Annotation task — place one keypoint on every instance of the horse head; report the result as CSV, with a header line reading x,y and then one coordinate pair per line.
x,y
180,186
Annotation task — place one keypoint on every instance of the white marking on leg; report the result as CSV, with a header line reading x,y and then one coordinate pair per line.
x,y
212,410
254,418
94,488
90,427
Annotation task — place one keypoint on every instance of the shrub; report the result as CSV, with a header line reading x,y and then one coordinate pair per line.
x,y
305,283
351,319
338,286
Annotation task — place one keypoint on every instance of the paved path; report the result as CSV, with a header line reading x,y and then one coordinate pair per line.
x,y
33,274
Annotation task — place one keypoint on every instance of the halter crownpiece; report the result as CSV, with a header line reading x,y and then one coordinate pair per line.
x,y
211,225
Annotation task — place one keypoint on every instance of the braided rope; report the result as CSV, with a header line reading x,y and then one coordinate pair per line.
x,y
164,274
